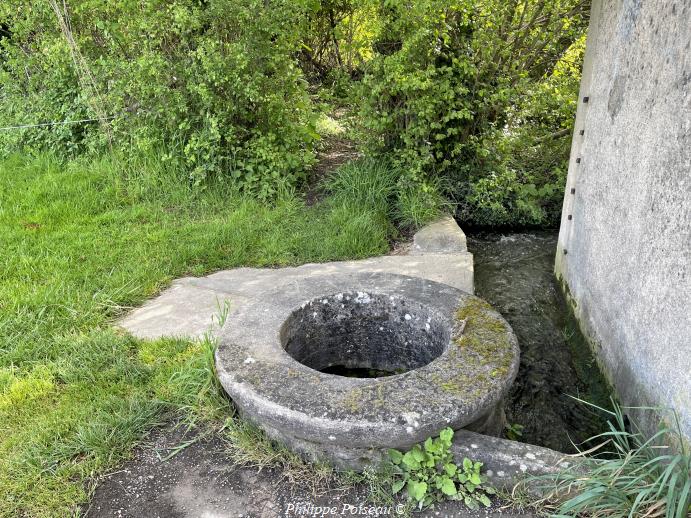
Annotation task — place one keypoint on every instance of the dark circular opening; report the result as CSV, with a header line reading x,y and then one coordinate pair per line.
x,y
364,335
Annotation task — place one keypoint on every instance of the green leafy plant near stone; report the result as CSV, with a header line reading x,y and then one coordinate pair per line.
x,y
514,431
429,474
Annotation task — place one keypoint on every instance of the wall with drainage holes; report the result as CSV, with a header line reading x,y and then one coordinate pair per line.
x,y
624,253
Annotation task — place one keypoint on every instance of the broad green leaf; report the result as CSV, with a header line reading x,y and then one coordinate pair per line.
x,y
395,456
450,469
397,486
418,454
417,490
484,500
410,461
448,487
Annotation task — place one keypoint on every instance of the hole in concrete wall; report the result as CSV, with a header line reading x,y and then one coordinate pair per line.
x,y
364,335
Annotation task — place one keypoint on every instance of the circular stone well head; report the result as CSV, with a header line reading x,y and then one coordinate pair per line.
x,y
364,335
299,359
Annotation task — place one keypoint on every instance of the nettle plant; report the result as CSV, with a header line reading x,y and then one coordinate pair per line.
x,y
429,475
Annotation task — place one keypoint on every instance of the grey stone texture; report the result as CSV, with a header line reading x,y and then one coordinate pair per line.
x,y
458,359
624,253
188,308
508,463
441,237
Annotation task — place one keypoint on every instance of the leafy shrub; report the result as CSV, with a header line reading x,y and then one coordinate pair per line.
x,y
429,474
417,105
481,95
214,84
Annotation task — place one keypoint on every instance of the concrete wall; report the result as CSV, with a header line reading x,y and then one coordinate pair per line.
x,y
624,251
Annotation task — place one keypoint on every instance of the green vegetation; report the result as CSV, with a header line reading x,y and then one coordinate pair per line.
x,y
250,446
429,475
472,100
374,183
81,244
205,119
514,431
479,96
212,84
630,475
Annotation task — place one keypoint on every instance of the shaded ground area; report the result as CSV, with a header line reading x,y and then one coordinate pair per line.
x,y
514,273
200,481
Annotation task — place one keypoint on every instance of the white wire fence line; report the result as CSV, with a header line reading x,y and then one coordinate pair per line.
x,y
57,123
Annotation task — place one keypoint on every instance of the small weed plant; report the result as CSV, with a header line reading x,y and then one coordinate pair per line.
x,y
429,474
514,431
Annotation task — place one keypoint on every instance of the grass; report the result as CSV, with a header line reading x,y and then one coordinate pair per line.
x,y
80,244
629,475
377,184
249,446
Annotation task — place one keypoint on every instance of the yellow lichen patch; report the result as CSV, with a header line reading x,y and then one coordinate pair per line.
x,y
379,401
476,314
353,399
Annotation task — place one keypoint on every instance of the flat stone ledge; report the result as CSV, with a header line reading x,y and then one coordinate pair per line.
x,y
189,307
441,237
508,463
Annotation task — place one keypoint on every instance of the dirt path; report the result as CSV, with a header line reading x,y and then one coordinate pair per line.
x,y
201,481
336,150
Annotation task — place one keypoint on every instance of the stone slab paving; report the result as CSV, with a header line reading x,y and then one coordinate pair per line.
x,y
190,306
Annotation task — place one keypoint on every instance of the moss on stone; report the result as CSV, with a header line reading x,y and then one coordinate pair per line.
x,y
485,336
486,348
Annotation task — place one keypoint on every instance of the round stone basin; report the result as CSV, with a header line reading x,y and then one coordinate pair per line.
x,y
359,332
418,356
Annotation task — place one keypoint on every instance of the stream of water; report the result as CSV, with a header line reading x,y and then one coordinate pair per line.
x,y
514,273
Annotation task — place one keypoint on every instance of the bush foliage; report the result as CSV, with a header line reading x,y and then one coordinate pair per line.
x,y
473,99
480,94
213,83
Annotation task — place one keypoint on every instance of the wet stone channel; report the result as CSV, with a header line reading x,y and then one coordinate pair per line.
x,y
514,273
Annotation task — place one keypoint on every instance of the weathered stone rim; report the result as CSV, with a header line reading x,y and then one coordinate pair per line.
x,y
278,393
